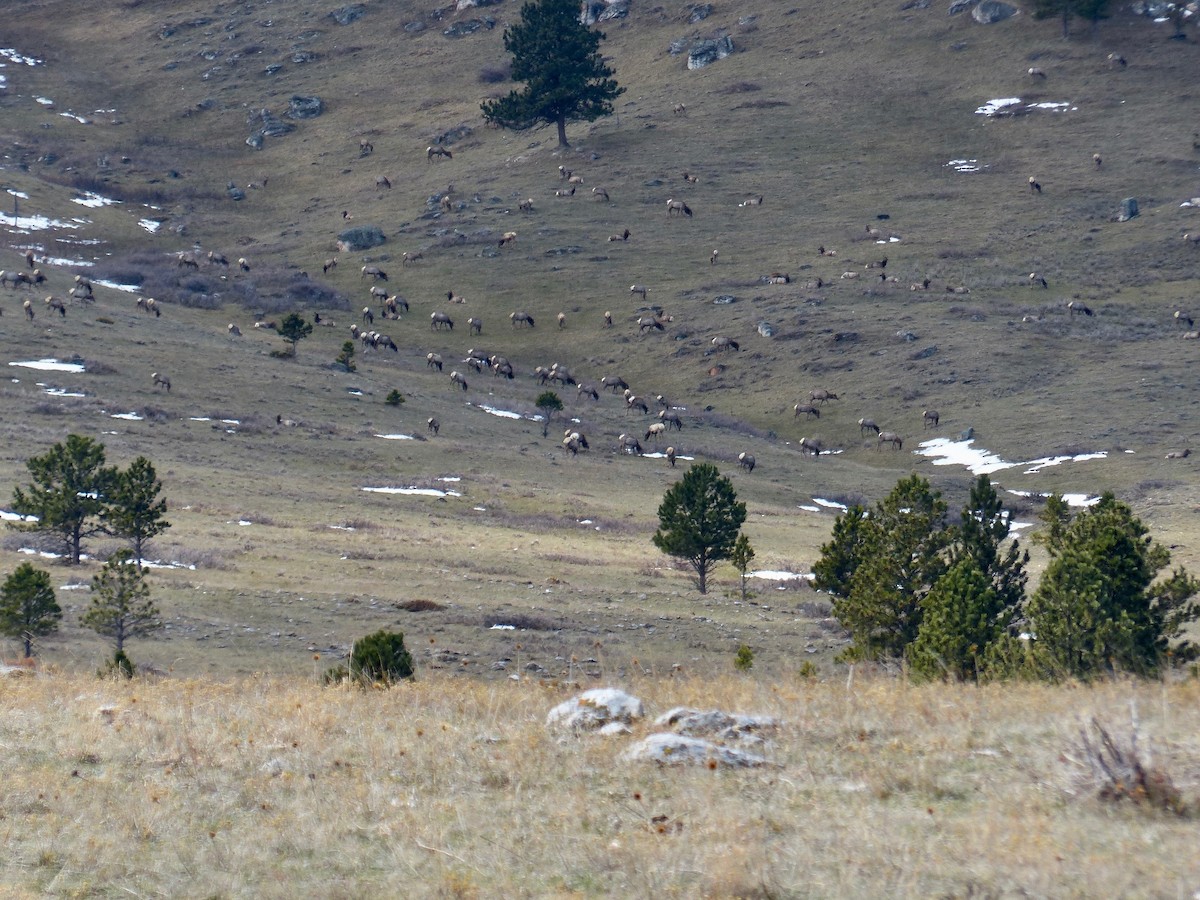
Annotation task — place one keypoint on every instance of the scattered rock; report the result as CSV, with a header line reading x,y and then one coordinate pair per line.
x,y
235,192
304,107
957,6
594,11
906,335
453,135
347,14
704,53
915,4
415,27
1129,209
255,140
991,11
699,12
271,125
724,300
766,329
680,750
362,238
677,46
924,354
714,723
469,26
594,709
273,69
967,435
467,4
300,57
563,251
845,337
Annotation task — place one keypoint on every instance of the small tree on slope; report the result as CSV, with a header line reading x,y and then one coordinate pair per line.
x,y
699,520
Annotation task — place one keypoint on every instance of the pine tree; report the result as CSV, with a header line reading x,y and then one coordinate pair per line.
x,y
699,520
28,608
741,556
549,403
559,60
121,607
294,329
1055,518
1092,10
899,558
840,558
981,537
961,620
134,510
69,492
1097,608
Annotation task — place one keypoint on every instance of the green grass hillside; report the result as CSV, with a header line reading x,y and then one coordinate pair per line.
x,y
843,120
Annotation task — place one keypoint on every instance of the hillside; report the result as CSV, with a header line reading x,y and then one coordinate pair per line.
x,y
842,120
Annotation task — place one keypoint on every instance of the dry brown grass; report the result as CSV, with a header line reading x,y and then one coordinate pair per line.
x,y
276,787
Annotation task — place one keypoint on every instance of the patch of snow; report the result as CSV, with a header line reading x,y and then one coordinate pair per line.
x,y
46,554
49,365
61,392
127,288
1005,106
343,527
775,575
503,628
965,165
231,421
809,508
354,392
45,101
479,508
829,504
159,564
199,419
21,195
150,225
61,261
450,478
6,516
949,452
1039,464
657,455
93,201
420,492
75,587
244,522
80,119
26,224
1080,500
13,56
396,437
502,413
129,416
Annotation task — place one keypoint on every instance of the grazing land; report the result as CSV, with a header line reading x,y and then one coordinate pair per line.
x,y
858,127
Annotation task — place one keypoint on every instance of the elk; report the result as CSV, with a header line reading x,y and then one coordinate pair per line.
x,y
508,237
457,378
929,418
1076,306
809,411
867,425
890,437
746,461
600,194
438,152
433,425
411,256
675,207
373,272
520,318
161,380
623,236
439,320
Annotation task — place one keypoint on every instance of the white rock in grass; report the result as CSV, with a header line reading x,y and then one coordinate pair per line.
x,y
594,709
716,724
681,750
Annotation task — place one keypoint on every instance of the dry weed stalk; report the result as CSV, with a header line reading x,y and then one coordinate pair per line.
x,y
1121,774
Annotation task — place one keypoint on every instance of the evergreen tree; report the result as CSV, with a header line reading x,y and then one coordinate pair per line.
x,y
1055,518
841,557
962,618
135,510
28,608
69,492
741,556
121,607
699,520
549,403
294,329
1092,10
900,557
1097,608
559,60
981,537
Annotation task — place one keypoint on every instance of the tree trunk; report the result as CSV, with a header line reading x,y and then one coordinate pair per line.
x,y
75,543
28,645
562,132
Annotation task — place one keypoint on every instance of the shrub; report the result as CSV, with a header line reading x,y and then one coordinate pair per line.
x,y
395,398
744,660
120,666
377,658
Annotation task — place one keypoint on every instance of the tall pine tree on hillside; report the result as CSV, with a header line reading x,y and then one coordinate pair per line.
x,y
699,520
558,58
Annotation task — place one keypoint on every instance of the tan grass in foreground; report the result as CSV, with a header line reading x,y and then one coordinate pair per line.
x,y
453,788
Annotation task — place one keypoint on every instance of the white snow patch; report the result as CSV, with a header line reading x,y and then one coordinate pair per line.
x,y
62,261
13,56
244,522
159,564
46,554
127,288
1004,106
6,516
129,416
949,452
965,165
49,365
75,587
93,201
396,437
80,119
450,478
45,101
504,413
658,455
150,225
343,527
503,628
61,392
231,421
1080,500
829,504
18,194
776,575
26,224
199,419
809,508
354,392
420,492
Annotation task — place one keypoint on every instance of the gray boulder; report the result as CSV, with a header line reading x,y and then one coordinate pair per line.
x,y
680,750
704,53
991,11
305,107
593,11
699,12
347,14
362,238
1129,209
766,329
270,125
255,141
470,26
593,710
957,6
717,725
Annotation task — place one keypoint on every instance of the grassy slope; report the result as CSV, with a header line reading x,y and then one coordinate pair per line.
x,y
869,106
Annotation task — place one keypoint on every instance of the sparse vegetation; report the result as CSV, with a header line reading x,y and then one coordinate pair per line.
x,y
394,398
28,607
121,607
